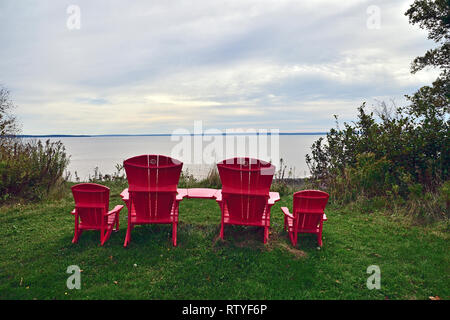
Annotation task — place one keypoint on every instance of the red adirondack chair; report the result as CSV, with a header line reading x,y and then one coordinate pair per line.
x,y
152,193
308,214
92,211
245,198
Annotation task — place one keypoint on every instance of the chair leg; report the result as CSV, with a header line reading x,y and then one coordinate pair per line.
x,y
221,231
319,239
117,223
107,235
174,234
319,235
128,236
285,223
102,237
292,232
222,209
291,237
266,234
77,231
76,236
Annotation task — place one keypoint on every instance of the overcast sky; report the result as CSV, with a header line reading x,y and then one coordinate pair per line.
x,y
138,67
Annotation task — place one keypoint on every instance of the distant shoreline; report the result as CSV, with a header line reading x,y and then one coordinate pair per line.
x,y
168,135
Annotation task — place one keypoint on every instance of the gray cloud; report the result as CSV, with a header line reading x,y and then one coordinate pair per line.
x,y
152,66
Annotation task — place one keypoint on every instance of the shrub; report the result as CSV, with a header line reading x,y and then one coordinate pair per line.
x,y
30,170
404,154
97,177
444,196
284,182
187,180
212,180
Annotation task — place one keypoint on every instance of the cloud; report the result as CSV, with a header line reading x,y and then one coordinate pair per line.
x,y
153,67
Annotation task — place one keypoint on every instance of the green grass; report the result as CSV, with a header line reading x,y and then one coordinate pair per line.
x,y
36,249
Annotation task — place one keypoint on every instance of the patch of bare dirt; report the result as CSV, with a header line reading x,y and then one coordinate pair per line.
x,y
294,251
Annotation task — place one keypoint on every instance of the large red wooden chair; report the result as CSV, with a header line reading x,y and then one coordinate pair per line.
x,y
92,211
245,198
307,214
152,193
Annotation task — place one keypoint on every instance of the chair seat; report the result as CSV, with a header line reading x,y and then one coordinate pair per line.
x,y
263,223
172,218
290,222
110,223
162,221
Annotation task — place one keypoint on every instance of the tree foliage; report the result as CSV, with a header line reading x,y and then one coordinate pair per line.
x,y
433,16
402,153
8,123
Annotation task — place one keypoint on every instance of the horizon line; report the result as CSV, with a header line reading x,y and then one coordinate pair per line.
x,y
161,134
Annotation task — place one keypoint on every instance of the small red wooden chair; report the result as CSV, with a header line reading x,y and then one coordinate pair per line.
x,y
245,198
152,193
308,214
92,211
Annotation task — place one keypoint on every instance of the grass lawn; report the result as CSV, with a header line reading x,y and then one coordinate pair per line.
x,y
36,249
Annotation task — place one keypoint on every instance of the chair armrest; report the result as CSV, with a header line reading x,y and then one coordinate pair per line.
x,y
218,195
286,212
115,210
73,211
324,217
274,197
181,193
125,195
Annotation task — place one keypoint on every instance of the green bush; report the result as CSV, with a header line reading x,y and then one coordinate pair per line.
x,y
31,170
212,180
399,155
444,196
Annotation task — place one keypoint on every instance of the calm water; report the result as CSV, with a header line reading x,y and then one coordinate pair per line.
x,y
87,153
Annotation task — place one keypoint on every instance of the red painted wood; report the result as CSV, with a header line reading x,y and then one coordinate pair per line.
x,y
202,193
91,211
151,197
307,214
181,193
245,198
